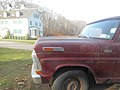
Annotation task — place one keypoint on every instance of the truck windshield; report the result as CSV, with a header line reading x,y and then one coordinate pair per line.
x,y
103,29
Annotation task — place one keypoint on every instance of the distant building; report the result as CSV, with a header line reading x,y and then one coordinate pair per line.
x,y
21,22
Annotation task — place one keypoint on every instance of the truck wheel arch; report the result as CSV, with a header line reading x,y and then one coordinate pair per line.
x,y
71,80
65,68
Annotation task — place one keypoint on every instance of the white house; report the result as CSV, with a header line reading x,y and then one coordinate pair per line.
x,y
21,22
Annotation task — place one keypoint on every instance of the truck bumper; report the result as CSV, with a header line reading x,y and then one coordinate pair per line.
x,y
36,78
35,67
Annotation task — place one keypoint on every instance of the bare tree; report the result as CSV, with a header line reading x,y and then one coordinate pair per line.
x,y
53,23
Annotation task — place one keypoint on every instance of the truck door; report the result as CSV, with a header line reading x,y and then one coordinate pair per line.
x,y
106,62
104,33
116,75
107,50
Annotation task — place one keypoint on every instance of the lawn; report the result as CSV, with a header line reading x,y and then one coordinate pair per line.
x,y
14,40
15,70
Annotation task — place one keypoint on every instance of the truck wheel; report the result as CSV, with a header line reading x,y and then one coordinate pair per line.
x,y
71,80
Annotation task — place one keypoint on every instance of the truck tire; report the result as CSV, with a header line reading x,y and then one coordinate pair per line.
x,y
71,80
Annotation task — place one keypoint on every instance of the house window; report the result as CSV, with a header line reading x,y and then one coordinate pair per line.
x,y
17,22
35,15
36,23
1,22
6,22
14,22
17,31
30,22
40,24
30,32
39,32
35,32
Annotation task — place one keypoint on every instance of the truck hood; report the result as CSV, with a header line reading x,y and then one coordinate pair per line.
x,y
62,39
70,44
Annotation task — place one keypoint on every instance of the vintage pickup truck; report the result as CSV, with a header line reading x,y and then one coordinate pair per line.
x,y
74,63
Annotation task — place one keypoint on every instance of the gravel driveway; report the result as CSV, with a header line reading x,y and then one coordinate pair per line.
x,y
16,45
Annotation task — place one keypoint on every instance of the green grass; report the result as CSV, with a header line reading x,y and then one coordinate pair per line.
x,y
15,67
22,41
7,54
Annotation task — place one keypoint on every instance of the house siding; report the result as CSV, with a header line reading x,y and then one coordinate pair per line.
x,y
35,25
28,22
17,27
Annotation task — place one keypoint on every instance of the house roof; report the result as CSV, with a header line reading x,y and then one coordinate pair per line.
x,y
24,13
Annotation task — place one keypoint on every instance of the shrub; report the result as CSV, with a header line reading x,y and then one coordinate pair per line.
x,y
27,37
8,36
15,37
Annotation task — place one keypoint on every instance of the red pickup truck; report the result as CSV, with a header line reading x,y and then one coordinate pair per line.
x,y
74,63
